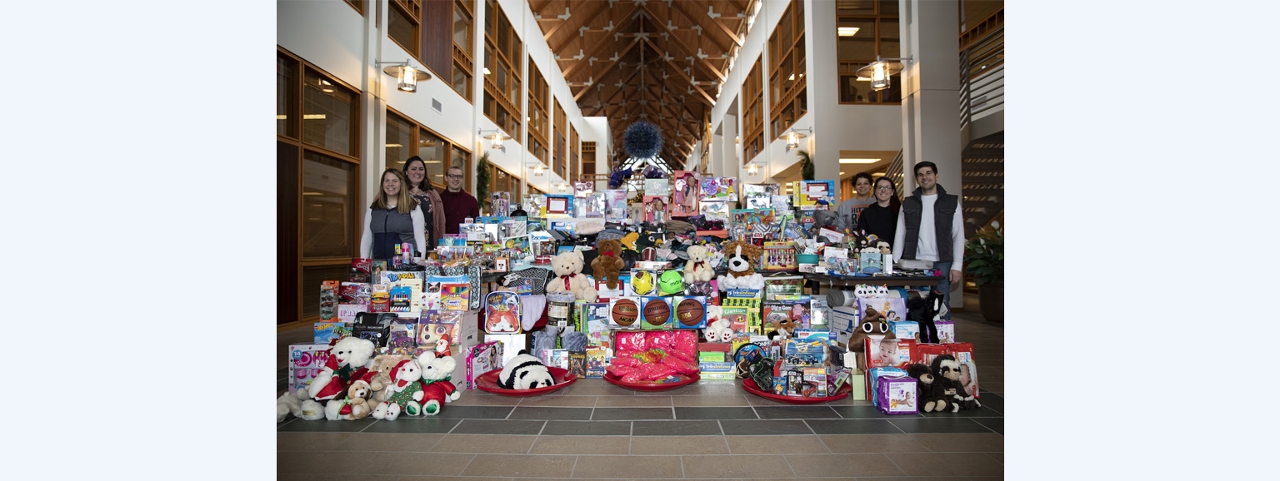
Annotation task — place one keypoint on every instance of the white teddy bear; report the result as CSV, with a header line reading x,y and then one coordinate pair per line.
x,y
349,360
699,267
569,277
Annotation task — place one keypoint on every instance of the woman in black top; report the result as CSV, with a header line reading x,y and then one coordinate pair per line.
x,y
881,218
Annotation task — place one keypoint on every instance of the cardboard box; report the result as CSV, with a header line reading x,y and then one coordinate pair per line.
x,y
896,395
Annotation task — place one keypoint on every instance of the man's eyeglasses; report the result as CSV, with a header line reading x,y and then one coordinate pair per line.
x,y
454,176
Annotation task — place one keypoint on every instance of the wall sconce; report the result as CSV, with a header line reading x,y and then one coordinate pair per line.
x,y
794,136
407,76
537,168
563,187
880,71
752,169
737,139
497,139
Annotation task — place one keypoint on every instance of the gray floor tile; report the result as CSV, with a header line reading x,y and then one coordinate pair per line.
x,y
797,412
715,413
475,412
863,411
325,426
587,428
414,425
742,427
627,414
995,424
579,414
991,401
939,425
675,428
505,426
854,426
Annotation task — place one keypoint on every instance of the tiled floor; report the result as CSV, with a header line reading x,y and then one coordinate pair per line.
x,y
707,430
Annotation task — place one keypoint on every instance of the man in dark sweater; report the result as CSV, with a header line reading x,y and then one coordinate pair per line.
x,y
458,205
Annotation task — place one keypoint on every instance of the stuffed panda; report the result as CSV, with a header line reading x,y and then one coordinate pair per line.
x,y
525,372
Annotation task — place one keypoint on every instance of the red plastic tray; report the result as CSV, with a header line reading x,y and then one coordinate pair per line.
x,y
750,386
488,382
652,386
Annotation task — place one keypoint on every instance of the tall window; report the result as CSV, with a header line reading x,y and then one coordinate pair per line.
x,y
357,4
753,113
462,47
403,24
502,181
561,167
317,167
573,154
502,85
787,99
539,121
866,30
406,138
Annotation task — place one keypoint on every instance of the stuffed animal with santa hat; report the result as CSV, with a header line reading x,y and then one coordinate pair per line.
x,y
349,361
404,394
437,386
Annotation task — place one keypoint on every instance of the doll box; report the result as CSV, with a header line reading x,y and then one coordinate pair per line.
x,y
512,344
896,395
482,358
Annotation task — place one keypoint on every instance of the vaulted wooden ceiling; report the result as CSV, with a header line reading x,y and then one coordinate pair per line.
x,y
655,60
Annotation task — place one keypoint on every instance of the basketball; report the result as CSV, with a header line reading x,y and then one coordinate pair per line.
x,y
657,312
625,312
690,312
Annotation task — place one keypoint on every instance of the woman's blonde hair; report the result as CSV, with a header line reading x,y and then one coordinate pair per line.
x,y
404,202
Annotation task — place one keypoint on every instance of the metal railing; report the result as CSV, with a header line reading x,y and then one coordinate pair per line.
x,y
894,173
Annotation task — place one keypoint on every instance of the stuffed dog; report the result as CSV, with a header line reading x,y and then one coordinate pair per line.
x,y
741,258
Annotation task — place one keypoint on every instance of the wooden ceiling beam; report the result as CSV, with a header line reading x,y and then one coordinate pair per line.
x,y
612,63
603,45
690,52
710,101
547,35
723,48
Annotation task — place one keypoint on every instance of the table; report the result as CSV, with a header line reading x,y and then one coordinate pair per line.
x,y
818,280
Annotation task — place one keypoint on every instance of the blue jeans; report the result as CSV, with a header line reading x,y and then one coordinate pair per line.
x,y
945,285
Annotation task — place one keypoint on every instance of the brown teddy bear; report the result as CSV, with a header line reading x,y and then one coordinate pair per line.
x,y
354,406
608,264
383,364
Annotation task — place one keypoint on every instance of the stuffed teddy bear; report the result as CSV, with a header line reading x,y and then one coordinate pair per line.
x,y
404,394
437,388
946,371
931,398
349,360
383,364
720,330
354,406
742,257
569,277
608,264
300,405
698,269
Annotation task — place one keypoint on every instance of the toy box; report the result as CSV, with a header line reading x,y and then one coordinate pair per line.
x,y
815,381
684,199
906,329
605,294
327,332
722,370
814,194
404,336
779,256
719,189
615,206
502,313
400,298
690,312
328,299
657,187
892,309
305,363
896,395
805,352
891,352
752,307
597,361
656,312
595,320
655,208
624,313
380,298
578,364
482,358
555,358
759,196
559,206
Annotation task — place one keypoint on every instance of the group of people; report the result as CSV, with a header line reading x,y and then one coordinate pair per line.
x,y
925,226
408,209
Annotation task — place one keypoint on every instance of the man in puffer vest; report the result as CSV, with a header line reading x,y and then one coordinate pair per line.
x,y
931,228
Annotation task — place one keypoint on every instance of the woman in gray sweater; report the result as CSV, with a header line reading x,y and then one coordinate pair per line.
x,y
393,218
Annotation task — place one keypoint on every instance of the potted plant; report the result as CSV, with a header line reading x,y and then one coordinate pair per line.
x,y
984,260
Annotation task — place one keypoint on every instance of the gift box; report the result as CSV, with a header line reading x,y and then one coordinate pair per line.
x,y
896,395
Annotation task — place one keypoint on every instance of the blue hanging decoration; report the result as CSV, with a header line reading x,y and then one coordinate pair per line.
x,y
642,140
618,177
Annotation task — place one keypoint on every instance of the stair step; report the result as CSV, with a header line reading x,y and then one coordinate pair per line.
x,y
982,193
